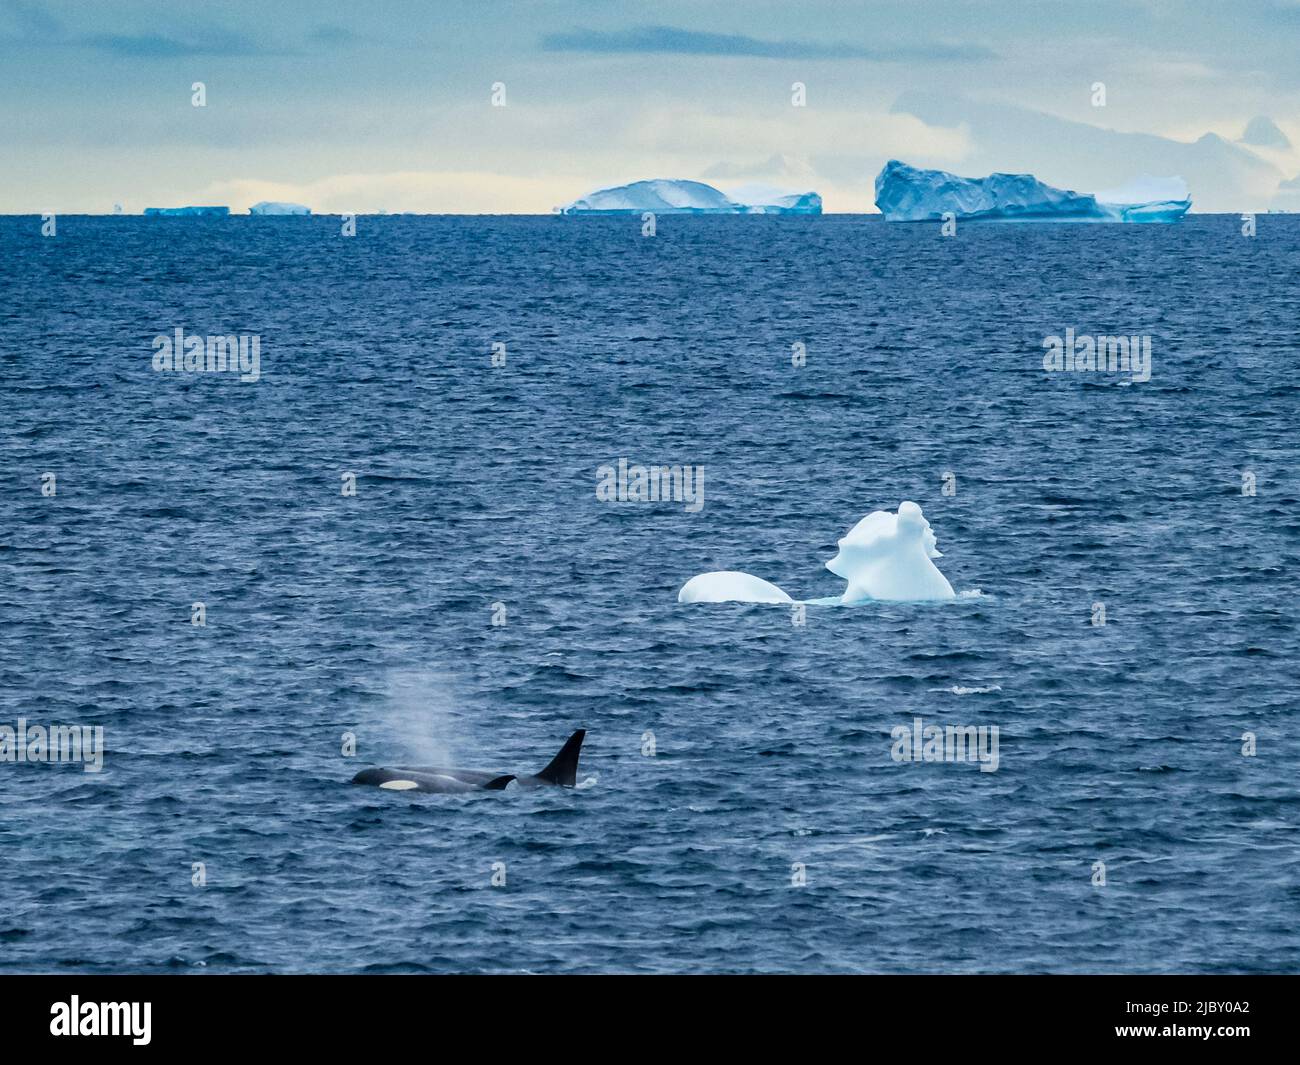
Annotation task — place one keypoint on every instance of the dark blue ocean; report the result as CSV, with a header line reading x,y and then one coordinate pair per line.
x,y
371,614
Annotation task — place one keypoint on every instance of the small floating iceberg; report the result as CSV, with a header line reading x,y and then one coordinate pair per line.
x,y
764,199
909,194
885,556
187,212
730,586
271,207
670,196
890,556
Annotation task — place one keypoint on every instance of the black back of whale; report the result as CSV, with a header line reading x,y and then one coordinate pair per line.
x,y
431,779
561,771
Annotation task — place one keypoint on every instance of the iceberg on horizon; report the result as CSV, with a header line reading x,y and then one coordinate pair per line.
x,y
765,199
187,212
272,207
671,196
909,194
884,557
1287,198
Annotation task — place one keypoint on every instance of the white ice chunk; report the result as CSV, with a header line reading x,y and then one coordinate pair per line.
x,y
888,556
730,586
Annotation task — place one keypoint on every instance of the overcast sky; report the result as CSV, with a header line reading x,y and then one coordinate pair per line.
x,y
352,106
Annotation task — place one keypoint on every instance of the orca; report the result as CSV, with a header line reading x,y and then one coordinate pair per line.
x,y
561,772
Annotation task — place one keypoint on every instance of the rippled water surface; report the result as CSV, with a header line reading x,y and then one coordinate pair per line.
x,y
475,485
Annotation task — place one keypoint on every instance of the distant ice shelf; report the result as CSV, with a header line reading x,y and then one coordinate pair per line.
x,y
271,207
671,196
187,212
909,194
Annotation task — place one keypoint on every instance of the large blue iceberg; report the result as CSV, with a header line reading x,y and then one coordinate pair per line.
x,y
187,212
909,194
670,196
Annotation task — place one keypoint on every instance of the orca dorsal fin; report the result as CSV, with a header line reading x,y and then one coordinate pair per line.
x,y
499,783
563,768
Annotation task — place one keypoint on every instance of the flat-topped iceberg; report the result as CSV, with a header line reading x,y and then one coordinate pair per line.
x,y
671,196
271,207
764,199
885,557
187,212
909,194
793,203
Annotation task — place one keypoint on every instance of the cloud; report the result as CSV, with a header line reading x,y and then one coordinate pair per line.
x,y
160,46
333,36
37,26
778,167
33,20
1262,132
652,40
